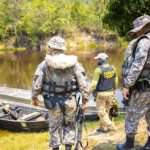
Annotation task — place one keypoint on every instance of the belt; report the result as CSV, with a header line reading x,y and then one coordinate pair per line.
x,y
58,95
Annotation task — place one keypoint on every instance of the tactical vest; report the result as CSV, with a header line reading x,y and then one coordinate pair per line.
x,y
106,80
59,81
129,58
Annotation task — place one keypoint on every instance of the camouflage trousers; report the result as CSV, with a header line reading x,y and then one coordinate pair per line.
x,y
103,104
139,105
62,133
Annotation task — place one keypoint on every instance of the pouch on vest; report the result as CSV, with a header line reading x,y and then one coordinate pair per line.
x,y
141,86
50,102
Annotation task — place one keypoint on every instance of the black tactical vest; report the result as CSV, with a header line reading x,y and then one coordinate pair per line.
x,y
106,80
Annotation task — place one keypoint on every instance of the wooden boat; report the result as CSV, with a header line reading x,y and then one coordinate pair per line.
x,y
22,98
30,119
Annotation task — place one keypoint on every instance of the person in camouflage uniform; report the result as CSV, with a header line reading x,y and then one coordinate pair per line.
x,y
58,79
105,82
138,77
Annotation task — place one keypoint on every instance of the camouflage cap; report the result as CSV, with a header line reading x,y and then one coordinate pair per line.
x,y
139,23
57,43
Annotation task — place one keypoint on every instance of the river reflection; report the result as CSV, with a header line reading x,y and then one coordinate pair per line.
x,y
17,69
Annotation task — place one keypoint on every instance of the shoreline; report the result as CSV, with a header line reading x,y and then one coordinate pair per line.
x,y
81,41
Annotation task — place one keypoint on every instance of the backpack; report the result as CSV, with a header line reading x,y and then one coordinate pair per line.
x,y
114,110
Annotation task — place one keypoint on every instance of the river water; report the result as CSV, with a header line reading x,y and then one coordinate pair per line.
x,y
17,69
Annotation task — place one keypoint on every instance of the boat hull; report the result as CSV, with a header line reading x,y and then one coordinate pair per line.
x,y
24,126
31,124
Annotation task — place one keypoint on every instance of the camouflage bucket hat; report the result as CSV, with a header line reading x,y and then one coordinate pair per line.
x,y
57,43
139,23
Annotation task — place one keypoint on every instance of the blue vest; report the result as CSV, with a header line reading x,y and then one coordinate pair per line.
x,y
106,81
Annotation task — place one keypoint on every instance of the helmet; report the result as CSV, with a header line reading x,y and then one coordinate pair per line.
x,y
101,55
57,43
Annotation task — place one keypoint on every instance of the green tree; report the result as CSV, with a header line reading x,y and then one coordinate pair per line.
x,y
98,7
38,19
78,13
44,17
122,13
11,12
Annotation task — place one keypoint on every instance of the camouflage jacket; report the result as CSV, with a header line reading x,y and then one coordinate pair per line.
x,y
141,54
40,74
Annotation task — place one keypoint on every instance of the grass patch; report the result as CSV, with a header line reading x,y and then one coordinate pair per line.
x,y
40,141
7,49
80,46
21,49
23,141
92,46
120,118
12,49
100,45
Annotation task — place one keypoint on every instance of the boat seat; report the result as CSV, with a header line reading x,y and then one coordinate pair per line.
x,y
31,116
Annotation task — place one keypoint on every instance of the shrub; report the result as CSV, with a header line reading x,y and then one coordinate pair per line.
x,y
21,49
92,46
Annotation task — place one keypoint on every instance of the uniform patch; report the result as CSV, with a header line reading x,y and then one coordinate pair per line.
x,y
109,74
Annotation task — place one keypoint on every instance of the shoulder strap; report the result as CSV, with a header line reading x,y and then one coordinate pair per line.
x,y
143,67
134,43
137,41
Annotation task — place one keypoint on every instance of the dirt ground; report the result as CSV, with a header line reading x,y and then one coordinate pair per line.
x,y
108,141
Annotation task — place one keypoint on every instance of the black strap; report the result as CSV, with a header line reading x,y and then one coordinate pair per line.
x,y
66,87
56,97
80,119
50,86
79,136
61,101
86,137
71,88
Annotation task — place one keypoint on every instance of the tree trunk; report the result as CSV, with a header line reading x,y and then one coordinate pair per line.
x,y
21,35
15,30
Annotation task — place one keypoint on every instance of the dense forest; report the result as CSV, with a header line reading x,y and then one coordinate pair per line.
x,y
121,14
40,18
